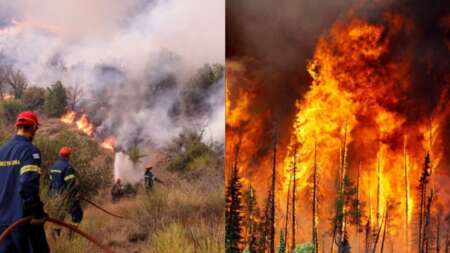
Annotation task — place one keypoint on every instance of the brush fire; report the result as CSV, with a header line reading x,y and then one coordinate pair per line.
x,y
362,162
83,123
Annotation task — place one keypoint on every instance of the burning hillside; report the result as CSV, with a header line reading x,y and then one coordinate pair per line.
x,y
351,157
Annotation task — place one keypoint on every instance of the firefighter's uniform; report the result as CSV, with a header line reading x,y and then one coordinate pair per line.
x,y
20,172
62,179
149,179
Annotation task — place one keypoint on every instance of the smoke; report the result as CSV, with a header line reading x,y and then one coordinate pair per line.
x,y
273,43
134,59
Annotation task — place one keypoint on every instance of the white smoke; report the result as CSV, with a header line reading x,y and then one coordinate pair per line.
x,y
131,57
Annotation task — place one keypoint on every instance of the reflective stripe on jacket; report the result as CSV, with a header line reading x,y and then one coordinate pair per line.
x,y
20,173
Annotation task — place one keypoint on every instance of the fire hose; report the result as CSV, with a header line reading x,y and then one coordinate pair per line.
x,y
26,220
104,210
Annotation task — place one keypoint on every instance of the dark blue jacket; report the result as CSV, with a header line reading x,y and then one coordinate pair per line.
x,y
149,179
62,176
20,172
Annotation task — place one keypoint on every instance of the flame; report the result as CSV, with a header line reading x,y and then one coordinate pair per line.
x,y
356,91
354,116
83,123
108,143
69,117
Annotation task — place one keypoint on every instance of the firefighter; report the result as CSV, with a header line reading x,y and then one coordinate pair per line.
x,y
117,191
63,182
20,173
150,178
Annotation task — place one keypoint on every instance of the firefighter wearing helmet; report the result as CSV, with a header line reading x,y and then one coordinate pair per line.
x,y
63,182
150,178
20,174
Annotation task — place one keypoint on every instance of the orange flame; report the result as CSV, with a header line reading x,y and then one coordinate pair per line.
x,y
108,143
85,125
354,115
69,117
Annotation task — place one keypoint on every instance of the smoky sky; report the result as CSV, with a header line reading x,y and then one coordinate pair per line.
x,y
132,58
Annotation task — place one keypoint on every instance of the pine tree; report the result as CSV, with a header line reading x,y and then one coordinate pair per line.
x,y
282,248
271,213
406,189
233,230
423,182
252,215
314,204
267,225
56,100
293,213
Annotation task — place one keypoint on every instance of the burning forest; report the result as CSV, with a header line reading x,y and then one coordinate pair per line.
x,y
353,155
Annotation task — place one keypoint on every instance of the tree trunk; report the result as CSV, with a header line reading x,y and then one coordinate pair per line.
x,y
272,206
294,184
406,190
314,205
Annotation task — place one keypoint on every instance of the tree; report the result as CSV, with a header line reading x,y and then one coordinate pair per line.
x,y
252,214
423,182
2,80
9,110
74,95
56,100
34,98
304,248
194,96
282,248
233,230
15,79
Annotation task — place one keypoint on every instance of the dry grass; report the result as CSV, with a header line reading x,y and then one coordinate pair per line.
x,y
184,218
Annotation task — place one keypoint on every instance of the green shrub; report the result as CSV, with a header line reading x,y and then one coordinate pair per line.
x,y
34,98
55,100
4,134
189,153
9,110
304,248
91,178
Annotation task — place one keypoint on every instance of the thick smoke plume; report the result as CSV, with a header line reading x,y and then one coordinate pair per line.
x,y
134,59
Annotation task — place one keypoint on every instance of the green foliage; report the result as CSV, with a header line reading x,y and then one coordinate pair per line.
x,y
135,155
304,248
91,178
34,98
251,220
233,210
189,153
282,248
247,250
193,95
4,134
56,100
196,208
9,110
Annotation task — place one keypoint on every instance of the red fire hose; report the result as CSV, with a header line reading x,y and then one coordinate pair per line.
x,y
104,210
57,222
